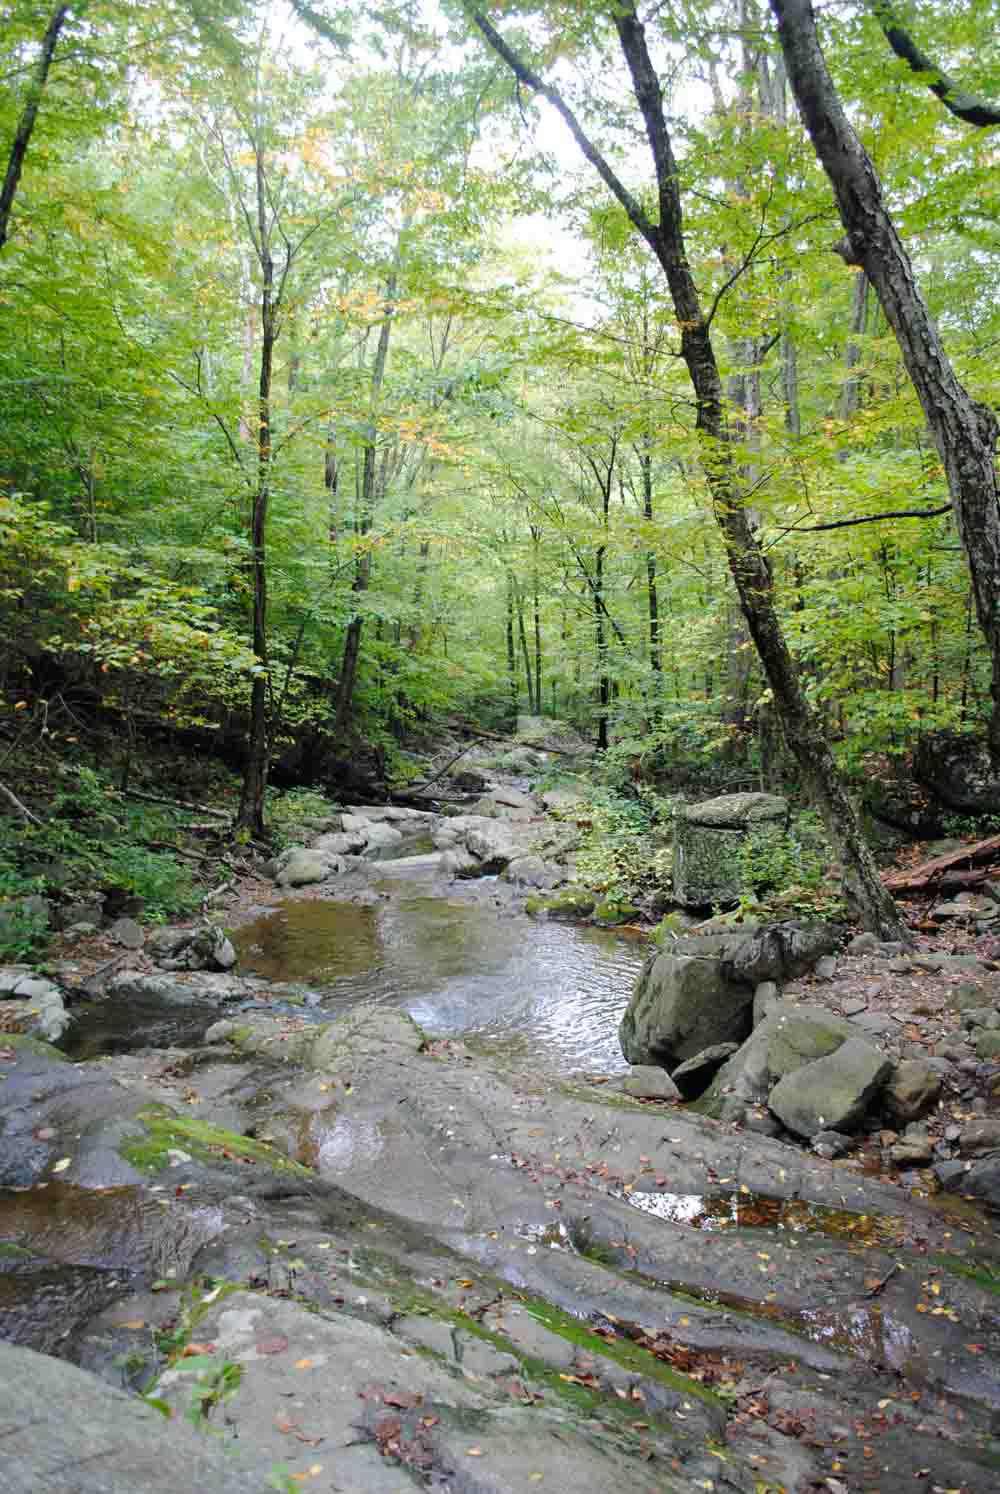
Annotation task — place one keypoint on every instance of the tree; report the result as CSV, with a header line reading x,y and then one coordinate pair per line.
x,y
965,431
754,583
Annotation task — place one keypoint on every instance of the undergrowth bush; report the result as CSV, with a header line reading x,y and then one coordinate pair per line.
x,y
790,874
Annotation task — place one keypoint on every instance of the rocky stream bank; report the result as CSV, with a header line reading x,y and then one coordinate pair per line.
x,y
345,1252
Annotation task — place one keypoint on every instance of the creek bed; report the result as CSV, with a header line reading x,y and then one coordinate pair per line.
x,y
513,986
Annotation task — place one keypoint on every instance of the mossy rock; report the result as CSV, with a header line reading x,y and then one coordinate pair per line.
x,y
164,1132
610,913
571,905
24,1043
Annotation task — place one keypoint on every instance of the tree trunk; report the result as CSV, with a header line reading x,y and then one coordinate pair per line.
x,y
747,563
600,639
250,815
366,504
522,635
29,115
964,431
511,654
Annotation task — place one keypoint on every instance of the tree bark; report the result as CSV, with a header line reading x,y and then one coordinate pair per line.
x,y
29,115
969,107
363,566
250,815
747,563
964,431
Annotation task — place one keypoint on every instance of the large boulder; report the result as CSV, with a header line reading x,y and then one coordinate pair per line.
x,y
833,1092
791,1035
956,769
709,839
700,991
204,948
298,867
685,1002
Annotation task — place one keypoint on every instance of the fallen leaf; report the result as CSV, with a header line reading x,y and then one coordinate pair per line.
x,y
190,1350
134,1323
404,1399
62,1164
272,1345
474,1452
303,1364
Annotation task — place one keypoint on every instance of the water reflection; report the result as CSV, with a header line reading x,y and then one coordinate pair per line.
x,y
512,985
764,1211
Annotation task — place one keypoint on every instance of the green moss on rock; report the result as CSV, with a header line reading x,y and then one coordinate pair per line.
x,y
23,1042
609,913
164,1132
570,905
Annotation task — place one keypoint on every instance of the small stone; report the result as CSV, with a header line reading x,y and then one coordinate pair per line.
x,y
950,1175
852,1005
952,1133
900,965
760,1121
988,1045
979,1137
127,933
866,943
647,1082
826,968
831,1143
891,947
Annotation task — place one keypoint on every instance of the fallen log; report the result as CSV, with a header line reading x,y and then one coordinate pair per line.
x,y
928,873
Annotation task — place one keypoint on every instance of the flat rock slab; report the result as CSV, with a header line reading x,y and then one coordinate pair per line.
x,y
63,1431
328,1394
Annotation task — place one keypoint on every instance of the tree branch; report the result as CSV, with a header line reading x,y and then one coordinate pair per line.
x,y
969,107
896,513
531,79
26,124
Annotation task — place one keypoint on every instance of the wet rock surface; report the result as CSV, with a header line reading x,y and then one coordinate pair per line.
x,y
366,1256
442,1269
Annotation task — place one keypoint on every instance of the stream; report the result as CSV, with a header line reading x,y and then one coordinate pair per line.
x,y
462,966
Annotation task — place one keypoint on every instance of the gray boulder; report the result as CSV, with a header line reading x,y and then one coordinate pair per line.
x,y
700,991
381,837
298,867
791,1035
957,770
127,933
532,871
685,1002
709,839
68,1432
649,1082
833,1093
912,1090
204,948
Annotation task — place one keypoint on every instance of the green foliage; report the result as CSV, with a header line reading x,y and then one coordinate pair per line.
x,y
24,928
619,855
790,874
291,813
87,842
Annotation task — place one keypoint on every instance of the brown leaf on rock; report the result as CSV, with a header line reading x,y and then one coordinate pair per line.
x,y
276,1345
404,1399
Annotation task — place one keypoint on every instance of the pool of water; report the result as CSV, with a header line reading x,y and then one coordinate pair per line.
x,y
508,984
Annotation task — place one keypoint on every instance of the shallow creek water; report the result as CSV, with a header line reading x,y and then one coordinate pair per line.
x,y
508,984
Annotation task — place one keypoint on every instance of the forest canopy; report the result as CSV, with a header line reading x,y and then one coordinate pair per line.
x,y
344,391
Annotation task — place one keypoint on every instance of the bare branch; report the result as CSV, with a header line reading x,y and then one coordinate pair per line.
x,y
895,513
969,107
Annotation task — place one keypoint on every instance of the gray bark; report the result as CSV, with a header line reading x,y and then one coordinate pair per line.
x,y
964,431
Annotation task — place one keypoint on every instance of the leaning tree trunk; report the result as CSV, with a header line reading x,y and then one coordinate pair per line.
x,y
862,884
964,431
250,815
29,115
363,566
